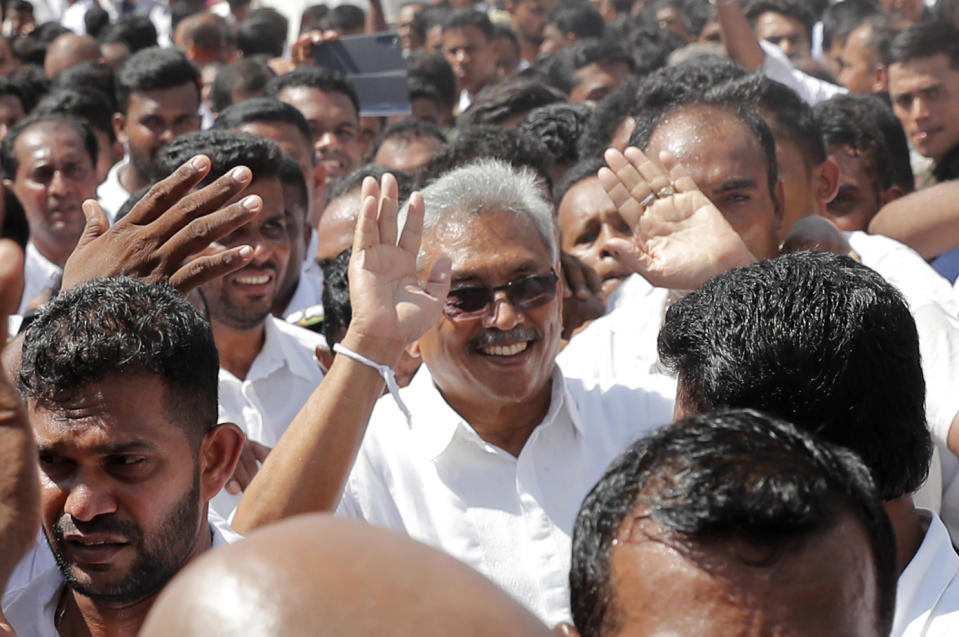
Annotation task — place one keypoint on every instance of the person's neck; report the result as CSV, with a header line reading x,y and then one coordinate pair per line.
x,y
528,49
131,179
906,527
507,425
80,616
238,347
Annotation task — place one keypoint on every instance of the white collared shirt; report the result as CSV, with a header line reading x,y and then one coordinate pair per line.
x,y
927,595
281,378
777,66
111,194
39,274
30,603
308,292
510,518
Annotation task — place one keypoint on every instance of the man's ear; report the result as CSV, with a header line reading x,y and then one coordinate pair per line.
x,y
219,452
119,127
880,79
826,182
413,349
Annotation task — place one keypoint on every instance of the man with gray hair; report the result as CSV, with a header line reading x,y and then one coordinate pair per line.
x,y
489,451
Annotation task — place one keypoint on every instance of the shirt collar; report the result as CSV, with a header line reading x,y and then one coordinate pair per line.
x,y
435,423
281,349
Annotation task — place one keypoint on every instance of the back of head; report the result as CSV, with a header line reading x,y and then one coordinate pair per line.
x,y
262,109
337,311
344,19
925,40
463,18
244,77
815,338
321,575
89,106
134,30
261,35
116,326
606,118
430,74
154,69
405,132
737,477
687,80
89,75
842,18
559,126
318,77
508,99
226,149
562,68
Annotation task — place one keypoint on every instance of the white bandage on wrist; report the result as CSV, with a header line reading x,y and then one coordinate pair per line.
x,y
389,377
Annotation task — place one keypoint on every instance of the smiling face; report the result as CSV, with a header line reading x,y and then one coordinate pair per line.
x,y
505,356
334,124
243,299
588,220
925,98
120,487
55,174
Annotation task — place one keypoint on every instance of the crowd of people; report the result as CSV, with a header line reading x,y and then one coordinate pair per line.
x,y
642,320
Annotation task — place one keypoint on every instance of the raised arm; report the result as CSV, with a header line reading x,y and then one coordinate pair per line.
x,y
927,220
740,40
680,239
307,469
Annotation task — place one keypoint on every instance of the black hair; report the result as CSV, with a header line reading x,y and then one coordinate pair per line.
x,y
248,75
95,20
430,16
737,475
925,40
8,156
816,338
430,75
15,225
337,311
579,18
105,328
516,148
462,18
21,5
206,31
407,130
344,17
13,89
262,34
29,50
352,181
317,77
87,76
135,31
850,120
154,69
311,16
789,117
791,8
508,98
561,71
33,84
650,119
89,106
263,109
583,169
947,11
559,126
225,149
606,117
292,175
841,19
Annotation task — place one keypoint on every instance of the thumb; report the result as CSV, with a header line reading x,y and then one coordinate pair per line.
x,y
96,222
438,283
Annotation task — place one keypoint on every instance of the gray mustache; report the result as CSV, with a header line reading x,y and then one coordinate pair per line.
x,y
495,337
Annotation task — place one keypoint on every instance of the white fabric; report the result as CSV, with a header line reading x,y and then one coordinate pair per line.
x,y
281,378
31,605
509,517
927,595
111,194
39,274
308,292
811,89
73,15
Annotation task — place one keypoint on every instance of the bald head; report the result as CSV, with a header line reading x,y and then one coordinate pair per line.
x,y
69,49
322,575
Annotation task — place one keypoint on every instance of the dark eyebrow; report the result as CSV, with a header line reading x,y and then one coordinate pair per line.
x,y
104,450
737,184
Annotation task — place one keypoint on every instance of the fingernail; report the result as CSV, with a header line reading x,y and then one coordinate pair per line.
x,y
251,203
199,163
241,174
246,251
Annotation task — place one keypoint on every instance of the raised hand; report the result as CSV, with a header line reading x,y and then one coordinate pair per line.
x,y
390,306
160,238
680,239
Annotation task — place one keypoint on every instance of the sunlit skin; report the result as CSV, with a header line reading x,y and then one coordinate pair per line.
x,y
409,39
485,387
823,586
152,119
728,164
472,56
857,64
55,174
859,197
334,124
925,98
597,80
335,230
406,155
786,32
587,220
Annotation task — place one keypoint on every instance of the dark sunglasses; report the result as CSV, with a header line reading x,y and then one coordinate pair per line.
x,y
524,293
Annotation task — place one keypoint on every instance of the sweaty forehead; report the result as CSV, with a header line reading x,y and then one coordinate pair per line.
x,y
47,136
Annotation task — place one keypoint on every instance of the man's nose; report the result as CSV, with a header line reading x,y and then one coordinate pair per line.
x,y
89,498
503,315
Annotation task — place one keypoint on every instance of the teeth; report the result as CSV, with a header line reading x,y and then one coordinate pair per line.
x,y
505,350
253,280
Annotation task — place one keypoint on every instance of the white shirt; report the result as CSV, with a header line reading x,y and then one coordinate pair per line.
x,y
510,518
811,89
281,378
39,274
111,194
308,292
30,606
927,595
